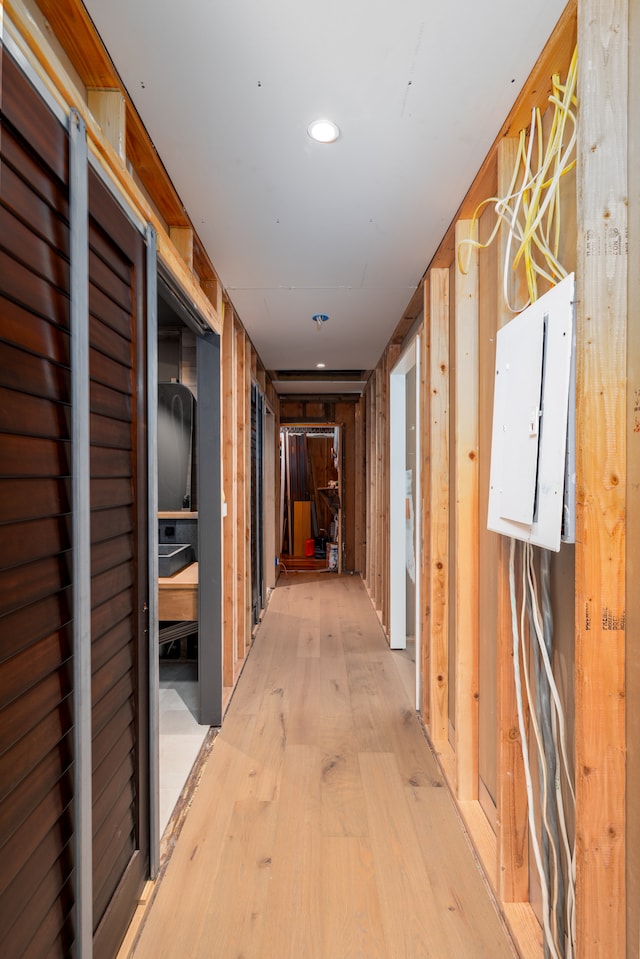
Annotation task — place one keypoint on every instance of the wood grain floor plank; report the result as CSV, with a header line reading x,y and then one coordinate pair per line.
x,y
320,828
458,891
294,923
410,917
342,799
183,901
352,923
303,726
235,926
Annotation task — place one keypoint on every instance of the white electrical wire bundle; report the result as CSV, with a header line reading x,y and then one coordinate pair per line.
x,y
532,210
560,944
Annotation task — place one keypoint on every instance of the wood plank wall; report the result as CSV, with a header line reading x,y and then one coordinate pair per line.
x,y
600,595
632,558
240,367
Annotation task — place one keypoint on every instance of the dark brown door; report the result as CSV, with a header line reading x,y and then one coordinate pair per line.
x,y
119,585
36,632
37,894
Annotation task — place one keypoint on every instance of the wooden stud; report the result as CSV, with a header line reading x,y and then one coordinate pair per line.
x,y
239,482
391,357
213,291
466,520
438,580
369,485
182,239
246,387
424,538
511,801
110,111
229,527
488,542
360,478
632,558
600,596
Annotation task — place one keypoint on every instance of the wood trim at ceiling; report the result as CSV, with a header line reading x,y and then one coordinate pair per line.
x,y
79,38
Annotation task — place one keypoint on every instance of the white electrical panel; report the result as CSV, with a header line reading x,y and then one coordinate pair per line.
x,y
530,419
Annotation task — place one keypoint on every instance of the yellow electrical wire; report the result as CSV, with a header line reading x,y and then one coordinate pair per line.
x,y
532,210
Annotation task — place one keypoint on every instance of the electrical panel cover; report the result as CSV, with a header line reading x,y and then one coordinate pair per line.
x,y
532,396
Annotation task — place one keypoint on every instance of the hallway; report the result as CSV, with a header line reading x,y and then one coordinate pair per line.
x,y
321,826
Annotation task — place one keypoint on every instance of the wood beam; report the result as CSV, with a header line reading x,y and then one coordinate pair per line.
x,y
246,451
511,801
423,567
239,482
359,478
633,484
600,596
182,239
438,428
229,435
110,110
466,518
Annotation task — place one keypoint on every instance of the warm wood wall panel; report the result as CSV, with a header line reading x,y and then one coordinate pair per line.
x,y
466,519
487,541
243,588
600,596
229,434
632,558
513,854
437,436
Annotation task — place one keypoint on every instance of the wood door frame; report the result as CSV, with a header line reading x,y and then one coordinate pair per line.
x,y
410,359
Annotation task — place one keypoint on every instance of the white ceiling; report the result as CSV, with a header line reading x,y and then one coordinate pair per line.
x,y
227,88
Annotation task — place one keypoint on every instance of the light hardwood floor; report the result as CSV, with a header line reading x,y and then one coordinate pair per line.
x,y
321,827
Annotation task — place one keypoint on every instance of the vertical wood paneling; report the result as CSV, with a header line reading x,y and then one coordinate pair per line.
x,y
512,835
246,391
370,483
600,600
240,483
359,563
381,504
488,541
391,356
423,565
632,558
466,520
110,110
229,454
439,504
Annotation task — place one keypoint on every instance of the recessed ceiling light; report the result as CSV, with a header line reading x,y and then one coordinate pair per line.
x,y
323,131
320,366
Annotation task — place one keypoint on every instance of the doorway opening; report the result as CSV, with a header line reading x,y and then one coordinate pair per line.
x,y
404,467
187,460
311,511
